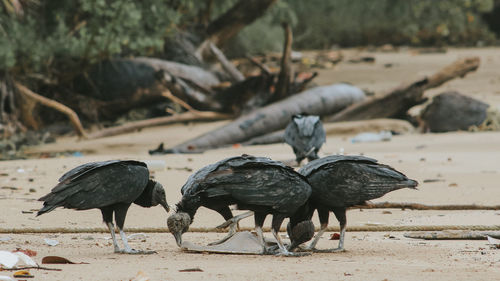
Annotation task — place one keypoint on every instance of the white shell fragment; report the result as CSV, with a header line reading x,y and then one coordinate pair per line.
x,y
26,259
51,242
8,259
494,241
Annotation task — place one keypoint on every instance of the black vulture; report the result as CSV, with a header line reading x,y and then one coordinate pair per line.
x,y
252,183
305,134
339,182
111,186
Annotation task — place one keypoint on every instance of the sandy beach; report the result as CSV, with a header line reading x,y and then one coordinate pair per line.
x,y
465,165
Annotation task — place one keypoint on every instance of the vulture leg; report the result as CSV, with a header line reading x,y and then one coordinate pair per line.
x,y
120,214
323,215
259,222
107,217
111,228
275,227
232,222
340,214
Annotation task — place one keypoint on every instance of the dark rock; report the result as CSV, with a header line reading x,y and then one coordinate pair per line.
x,y
452,111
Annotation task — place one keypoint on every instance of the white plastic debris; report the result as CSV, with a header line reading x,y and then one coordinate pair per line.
x,y
494,241
26,259
156,165
5,278
137,236
50,242
8,259
5,238
372,137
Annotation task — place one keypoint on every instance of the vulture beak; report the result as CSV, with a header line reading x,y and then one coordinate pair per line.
x,y
165,205
178,238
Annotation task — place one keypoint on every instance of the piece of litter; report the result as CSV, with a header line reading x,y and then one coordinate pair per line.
x,y
5,238
56,260
50,242
8,259
194,269
5,278
495,242
372,137
23,274
26,259
335,236
21,170
373,223
28,252
137,236
141,276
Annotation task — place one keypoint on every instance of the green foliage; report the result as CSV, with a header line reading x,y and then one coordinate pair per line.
x,y
64,36
419,22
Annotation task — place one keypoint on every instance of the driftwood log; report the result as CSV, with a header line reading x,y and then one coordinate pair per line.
x,y
196,75
321,101
453,235
342,128
396,102
137,125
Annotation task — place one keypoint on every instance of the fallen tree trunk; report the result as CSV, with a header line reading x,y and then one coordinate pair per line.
x,y
323,100
196,75
230,69
342,128
183,117
396,102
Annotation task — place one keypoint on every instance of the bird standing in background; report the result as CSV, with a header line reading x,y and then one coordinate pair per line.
x,y
339,182
252,183
305,134
111,186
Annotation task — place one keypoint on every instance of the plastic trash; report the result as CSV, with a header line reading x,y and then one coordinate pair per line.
x,y
50,242
156,165
8,259
5,278
5,238
372,137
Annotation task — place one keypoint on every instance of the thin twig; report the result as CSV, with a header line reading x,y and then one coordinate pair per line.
x,y
73,117
31,267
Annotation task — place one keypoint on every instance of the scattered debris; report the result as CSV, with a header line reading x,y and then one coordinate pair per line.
x,y
9,260
51,242
452,235
23,274
58,260
335,236
494,242
5,238
372,137
361,59
28,252
156,165
433,180
194,269
141,276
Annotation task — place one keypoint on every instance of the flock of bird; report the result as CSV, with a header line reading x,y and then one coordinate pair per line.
x,y
258,184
